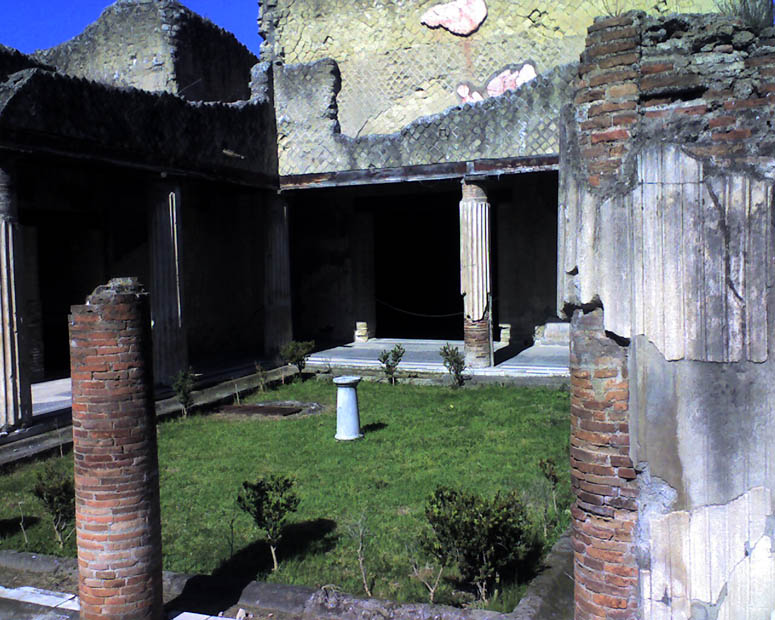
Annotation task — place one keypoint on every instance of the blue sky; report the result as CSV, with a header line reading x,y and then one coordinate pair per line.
x,y
28,25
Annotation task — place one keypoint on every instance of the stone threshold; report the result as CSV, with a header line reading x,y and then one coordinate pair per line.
x,y
549,596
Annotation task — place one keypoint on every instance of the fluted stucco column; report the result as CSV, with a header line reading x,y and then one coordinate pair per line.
x,y
15,395
278,326
170,347
475,275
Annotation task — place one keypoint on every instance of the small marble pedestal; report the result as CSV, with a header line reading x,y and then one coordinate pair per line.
x,y
348,421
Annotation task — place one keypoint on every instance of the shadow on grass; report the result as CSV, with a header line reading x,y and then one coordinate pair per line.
x,y
373,427
9,527
211,594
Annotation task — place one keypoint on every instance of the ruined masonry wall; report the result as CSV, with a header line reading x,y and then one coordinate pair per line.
x,y
665,226
396,68
518,123
157,46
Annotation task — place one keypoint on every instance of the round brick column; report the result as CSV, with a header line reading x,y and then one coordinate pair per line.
x,y
118,527
603,478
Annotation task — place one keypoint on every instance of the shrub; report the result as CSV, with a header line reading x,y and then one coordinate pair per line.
x,y
755,14
390,360
296,353
56,492
183,384
484,537
454,362
269,500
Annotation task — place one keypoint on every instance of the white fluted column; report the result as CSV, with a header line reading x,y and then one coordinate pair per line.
x,y
170,345
15,396
278,325
475,275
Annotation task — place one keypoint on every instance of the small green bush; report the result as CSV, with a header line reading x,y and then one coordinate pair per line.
x,y
483,537
183,384
56,492
454,362
296,353
269,500
390,360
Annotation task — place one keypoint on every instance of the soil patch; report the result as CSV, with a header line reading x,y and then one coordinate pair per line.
x,y
272,410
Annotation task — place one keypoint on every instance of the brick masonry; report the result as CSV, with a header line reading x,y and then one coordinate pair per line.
x,y
476,338
704,81
602,475
118,525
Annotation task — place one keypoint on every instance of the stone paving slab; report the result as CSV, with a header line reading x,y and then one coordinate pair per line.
x,y
51,396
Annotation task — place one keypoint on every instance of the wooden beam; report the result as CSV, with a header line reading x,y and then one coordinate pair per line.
x,y
427,172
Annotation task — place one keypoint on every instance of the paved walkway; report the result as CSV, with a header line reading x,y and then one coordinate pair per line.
x,y
542,360
51,396
27,603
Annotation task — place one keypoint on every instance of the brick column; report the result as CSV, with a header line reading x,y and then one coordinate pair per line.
x,y
475,275
602,474
15,394
170,346
118,526
278,326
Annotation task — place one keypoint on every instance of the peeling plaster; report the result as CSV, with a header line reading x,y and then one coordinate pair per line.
x,y
712,562
461,17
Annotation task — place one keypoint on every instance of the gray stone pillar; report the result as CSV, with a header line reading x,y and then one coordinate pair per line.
x,y
475,275
278,325
364,296
170,347
15,394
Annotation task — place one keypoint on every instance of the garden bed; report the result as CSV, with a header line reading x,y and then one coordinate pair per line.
x,y
416,438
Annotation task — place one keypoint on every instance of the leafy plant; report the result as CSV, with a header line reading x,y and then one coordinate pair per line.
x,y
183,384
454,362
755,14
484,537
56,492
269,500
296,353
390,360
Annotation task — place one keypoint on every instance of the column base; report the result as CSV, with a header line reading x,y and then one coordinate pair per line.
x,y
478,343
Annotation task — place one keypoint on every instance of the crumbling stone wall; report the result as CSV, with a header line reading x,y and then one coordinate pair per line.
x,y
158,46
518,123
395,68
157,129
12,61
665,215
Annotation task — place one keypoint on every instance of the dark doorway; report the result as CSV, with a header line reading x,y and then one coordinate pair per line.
x,y
417,265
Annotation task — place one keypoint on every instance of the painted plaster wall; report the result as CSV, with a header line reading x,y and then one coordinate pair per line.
x,y
395,68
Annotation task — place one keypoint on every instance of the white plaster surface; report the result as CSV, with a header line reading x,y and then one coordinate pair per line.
x,y
721,555
684,259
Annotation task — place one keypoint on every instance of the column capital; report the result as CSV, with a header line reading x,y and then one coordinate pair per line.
x,y
473,190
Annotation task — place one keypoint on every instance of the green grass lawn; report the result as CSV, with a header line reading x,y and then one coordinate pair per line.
x,y
482,440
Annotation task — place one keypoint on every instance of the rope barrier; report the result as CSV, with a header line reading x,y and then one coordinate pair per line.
x,y
426,316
